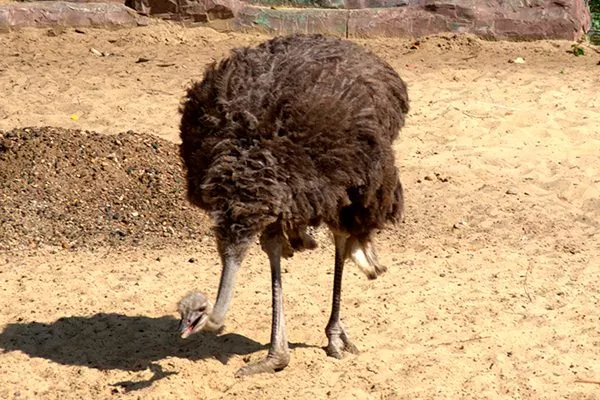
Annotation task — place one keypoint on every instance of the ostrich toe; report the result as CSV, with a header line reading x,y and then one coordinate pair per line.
x,y
339,342
270,364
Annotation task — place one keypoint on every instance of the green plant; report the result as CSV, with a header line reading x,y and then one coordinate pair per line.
x,y
577,50
595,13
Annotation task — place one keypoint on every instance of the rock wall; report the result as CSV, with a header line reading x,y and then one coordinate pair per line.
x,y
490,19
80,13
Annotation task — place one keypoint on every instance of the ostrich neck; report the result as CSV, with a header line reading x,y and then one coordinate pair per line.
x,y
230,267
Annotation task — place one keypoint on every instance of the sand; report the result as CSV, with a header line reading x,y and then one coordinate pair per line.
x,y
491,291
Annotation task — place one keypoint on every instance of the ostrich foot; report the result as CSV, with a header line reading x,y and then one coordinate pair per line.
x,y
339,342
272,363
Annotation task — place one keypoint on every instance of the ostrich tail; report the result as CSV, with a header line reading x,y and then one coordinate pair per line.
x,y
363,254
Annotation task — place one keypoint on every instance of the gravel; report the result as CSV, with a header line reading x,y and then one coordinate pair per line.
x,y
84,190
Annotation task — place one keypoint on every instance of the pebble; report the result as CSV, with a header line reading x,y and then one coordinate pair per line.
x,y
459,224
96,52
442,178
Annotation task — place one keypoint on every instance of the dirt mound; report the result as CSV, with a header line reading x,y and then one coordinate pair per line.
x,y
81,189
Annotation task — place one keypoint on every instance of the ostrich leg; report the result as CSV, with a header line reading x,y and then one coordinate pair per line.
x,y
278,357
338,338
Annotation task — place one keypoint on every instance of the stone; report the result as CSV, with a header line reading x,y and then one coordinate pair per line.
x,y
76,1
72,14
354,4
215,9
289,20
325,4
196,10
488,19
155,7
322,4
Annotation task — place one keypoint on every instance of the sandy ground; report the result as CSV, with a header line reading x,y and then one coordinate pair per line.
x,y
492,285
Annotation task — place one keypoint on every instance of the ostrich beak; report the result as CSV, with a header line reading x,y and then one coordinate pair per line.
x,y
192,323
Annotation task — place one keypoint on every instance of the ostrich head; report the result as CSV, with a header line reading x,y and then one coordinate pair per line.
x,y
195,310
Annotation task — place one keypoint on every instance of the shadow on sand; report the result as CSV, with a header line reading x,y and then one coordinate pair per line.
x,y
115,341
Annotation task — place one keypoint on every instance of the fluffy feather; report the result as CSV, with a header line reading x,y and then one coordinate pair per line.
x,y
297,130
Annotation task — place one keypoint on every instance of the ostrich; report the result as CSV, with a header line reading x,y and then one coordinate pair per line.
x,y
284,136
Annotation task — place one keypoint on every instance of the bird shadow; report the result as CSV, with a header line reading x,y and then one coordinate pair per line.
x,y
115,341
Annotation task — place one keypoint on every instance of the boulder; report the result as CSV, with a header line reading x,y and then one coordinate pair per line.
x,y
339,4
490,19
72,14
213,9
289,20
196,10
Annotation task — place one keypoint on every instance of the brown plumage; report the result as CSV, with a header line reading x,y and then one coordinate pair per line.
x,y
294,133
